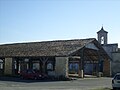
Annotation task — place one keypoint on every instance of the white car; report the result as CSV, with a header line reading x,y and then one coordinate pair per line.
x,y
116,82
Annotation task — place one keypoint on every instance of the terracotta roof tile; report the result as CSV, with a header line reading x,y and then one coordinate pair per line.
x,y
47,48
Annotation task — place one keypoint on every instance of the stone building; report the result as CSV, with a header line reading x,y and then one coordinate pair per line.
x,y
62,57
115,62
111,49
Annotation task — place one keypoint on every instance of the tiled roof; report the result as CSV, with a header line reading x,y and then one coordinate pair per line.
x,y
47,48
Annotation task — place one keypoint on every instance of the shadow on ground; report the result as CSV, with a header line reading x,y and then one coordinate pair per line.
x,y
18,79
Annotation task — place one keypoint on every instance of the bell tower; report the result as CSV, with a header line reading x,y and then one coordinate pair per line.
x,y
102,36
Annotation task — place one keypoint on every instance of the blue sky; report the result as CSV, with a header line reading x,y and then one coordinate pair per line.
x,y
43,20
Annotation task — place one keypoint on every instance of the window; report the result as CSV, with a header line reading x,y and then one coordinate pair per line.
x,y
50,66
73,67
36,66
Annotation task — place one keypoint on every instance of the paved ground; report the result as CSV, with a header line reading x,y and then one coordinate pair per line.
x,y
79,84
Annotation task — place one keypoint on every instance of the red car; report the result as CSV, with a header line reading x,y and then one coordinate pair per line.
x,y
31,74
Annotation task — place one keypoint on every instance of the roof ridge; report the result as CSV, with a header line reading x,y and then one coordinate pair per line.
x,y
46,41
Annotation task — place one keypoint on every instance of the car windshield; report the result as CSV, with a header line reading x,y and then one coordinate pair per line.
x,y
117,77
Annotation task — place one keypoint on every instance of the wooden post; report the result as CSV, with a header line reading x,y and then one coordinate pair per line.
x,y
43,60
82,63
99,65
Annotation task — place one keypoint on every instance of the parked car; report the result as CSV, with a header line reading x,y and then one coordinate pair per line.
x,y
32,74
116,82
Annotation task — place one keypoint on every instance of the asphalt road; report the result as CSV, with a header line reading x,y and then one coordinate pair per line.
x,y
79,84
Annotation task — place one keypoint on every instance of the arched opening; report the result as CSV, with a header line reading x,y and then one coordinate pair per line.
x,y
50,66
1,66
102,40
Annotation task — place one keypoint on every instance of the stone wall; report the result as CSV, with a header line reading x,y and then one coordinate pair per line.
x,y
106,67
61,66
115,64
8,66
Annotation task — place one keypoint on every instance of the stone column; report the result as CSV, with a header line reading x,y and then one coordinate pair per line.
x,y
8,66
61,66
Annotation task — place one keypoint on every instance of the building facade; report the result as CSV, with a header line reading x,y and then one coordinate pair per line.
x,y
55,58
